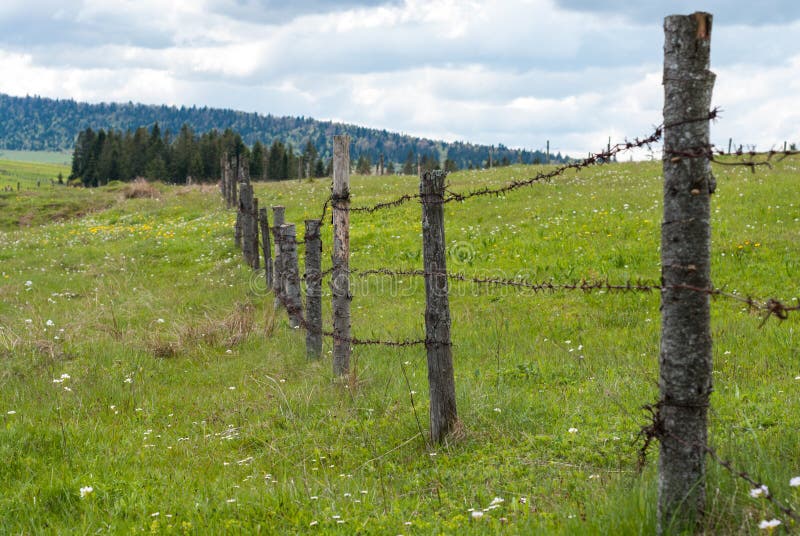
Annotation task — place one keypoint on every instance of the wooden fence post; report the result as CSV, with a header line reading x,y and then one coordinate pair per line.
x,y
291,274
340,281
441,380
313,289
223,184
246,211
237,227
685,361
266,245
254,225
278,219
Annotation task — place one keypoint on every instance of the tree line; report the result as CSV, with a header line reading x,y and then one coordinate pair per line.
x,y
37,123
103,156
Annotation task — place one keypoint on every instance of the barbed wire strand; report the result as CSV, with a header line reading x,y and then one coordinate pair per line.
x,y
769,306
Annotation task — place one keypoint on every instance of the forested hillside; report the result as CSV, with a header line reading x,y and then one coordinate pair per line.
x,y
36,123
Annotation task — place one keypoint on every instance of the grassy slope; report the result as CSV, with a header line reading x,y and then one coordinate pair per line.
x,y
192,408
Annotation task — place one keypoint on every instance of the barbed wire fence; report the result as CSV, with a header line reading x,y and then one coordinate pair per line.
x,y
436,275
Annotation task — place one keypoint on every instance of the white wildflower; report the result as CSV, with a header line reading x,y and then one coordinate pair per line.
x,y
477,514
573,430
769,525
86,490
759,491
795,482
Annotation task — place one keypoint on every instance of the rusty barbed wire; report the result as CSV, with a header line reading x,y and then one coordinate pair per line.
x,y
756,158
769,306
654,430
593,159
297,312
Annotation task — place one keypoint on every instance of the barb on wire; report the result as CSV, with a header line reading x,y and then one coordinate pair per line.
x,y
655,430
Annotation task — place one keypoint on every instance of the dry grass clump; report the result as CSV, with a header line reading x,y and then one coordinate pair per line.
x,y
140,189
228,331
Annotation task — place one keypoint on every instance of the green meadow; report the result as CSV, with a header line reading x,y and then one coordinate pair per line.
x,y
147,384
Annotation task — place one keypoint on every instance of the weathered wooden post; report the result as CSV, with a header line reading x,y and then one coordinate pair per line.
x,y
237,227
254,225
291,275
340,281
266,245
278,215
441,381
245,212
685,361
313,289
223,183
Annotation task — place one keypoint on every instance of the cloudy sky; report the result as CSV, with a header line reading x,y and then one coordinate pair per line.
x,y
517,72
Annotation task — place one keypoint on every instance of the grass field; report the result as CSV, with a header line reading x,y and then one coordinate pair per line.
x,y
61,158
139,358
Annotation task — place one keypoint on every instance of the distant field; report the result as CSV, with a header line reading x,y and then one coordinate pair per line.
x,y
148,385
43,157
39,198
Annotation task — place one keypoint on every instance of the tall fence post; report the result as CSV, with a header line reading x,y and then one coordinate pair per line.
x,y
278,215
340,281
441,380
313,289
291,274
685,361
237,227
266,245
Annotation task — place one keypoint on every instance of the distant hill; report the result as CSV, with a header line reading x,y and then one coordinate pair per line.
x,y
42,124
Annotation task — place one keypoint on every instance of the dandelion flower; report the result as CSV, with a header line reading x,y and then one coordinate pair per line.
x,y
769,525
795,482
759,491
86,490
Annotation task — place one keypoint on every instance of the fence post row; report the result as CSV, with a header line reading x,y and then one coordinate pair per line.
x,y
313,279
291,274
266,245
278,214
441,380
685,361
340,281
